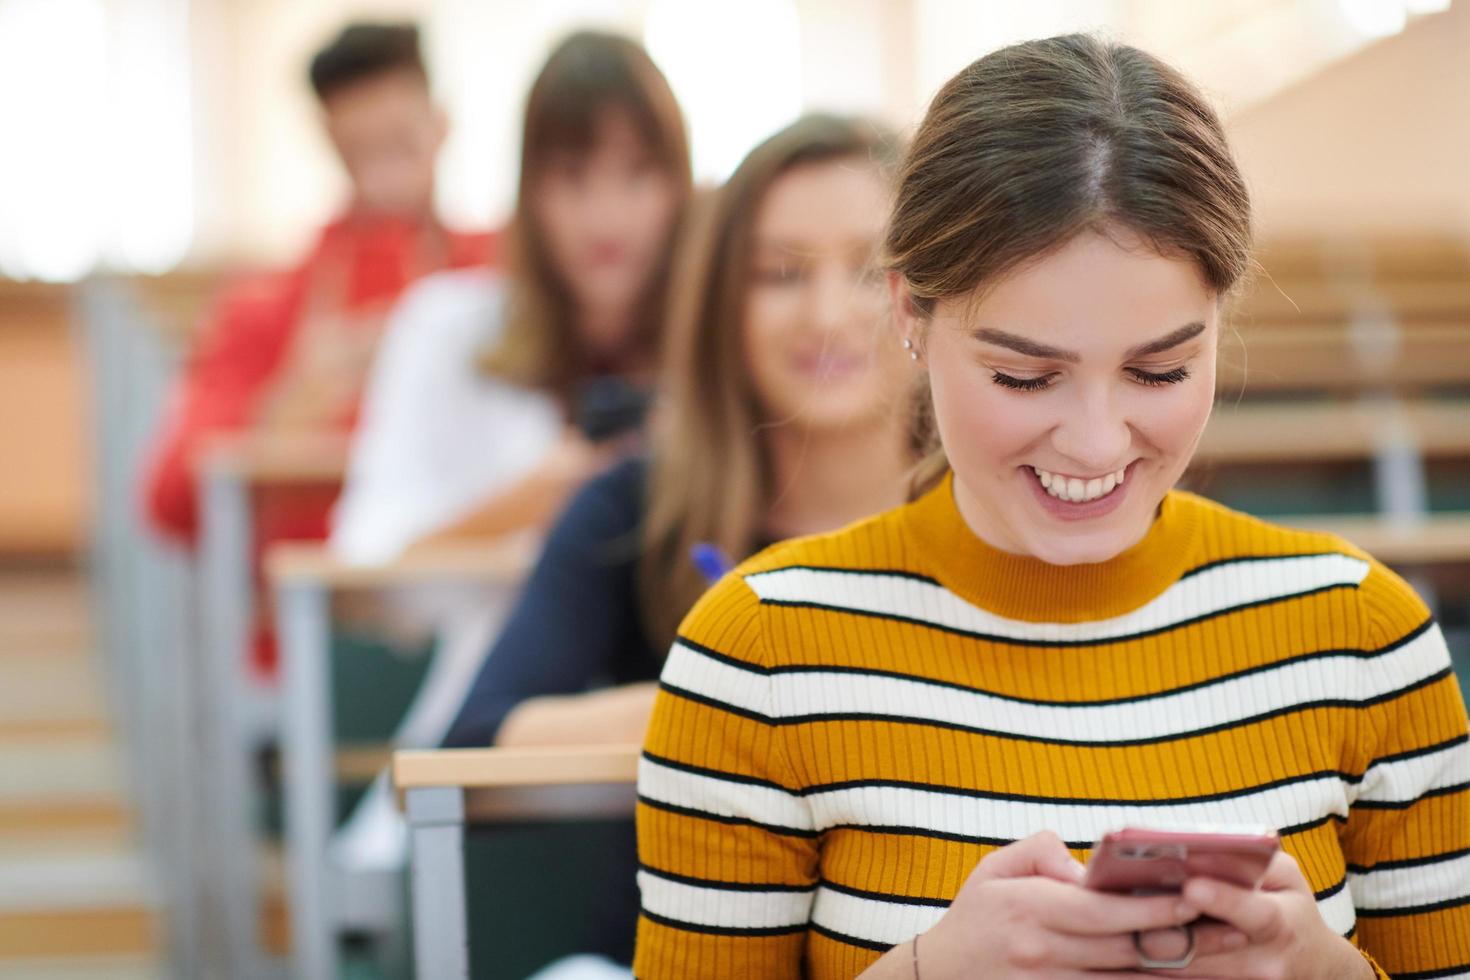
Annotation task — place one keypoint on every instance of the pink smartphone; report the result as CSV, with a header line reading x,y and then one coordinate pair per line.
x,y
1145,861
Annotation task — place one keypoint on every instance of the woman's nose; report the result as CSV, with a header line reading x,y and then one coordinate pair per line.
x,y
829,300
1095,435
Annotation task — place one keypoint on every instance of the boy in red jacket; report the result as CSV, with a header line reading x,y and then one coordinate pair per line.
x,y
290,352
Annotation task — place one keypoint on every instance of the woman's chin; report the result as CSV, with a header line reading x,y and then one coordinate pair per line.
x,y
1092,548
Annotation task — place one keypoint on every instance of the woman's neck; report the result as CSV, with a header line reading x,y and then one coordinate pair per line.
x,y
607,331
822,481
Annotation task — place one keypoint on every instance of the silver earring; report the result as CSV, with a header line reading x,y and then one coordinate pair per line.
x,y
908,345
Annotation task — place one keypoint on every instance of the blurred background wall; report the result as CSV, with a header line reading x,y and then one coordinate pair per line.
x,y
146,133
149,135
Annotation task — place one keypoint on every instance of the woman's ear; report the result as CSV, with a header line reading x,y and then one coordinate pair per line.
x,y
905,319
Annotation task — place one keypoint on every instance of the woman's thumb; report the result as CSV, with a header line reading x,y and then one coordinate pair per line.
x,y
1042,854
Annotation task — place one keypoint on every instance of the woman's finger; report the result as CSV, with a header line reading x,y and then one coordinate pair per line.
x,y
1219,951
1041,854
1284,874
1253,912
1121,952
1053,950
1083,912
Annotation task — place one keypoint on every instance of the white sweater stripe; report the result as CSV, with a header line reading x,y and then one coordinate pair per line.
x,y
816,693
1212,591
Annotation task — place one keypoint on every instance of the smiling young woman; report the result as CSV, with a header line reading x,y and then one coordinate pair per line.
x,y
780,386
883,750
1071,394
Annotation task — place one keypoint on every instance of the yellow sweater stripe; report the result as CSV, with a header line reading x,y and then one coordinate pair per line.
x,y
851,722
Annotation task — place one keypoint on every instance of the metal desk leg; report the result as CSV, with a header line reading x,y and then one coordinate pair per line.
x,y
174,738
225,570
145,610
304,616
440,929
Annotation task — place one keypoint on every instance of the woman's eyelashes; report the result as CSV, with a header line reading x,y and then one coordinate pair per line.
x,y
1152,379
779,273
1022,384
792,272
1041,382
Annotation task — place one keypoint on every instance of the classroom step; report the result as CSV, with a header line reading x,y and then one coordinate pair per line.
x,y
44,611
50,694
100,967
80,902
77,901
83,769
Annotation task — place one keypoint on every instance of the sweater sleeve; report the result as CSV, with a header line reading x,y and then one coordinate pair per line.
x,y
1407,837
727,845
436,437
577,616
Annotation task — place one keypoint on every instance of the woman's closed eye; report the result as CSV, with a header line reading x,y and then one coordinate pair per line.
x,y
1022,384
778,273
1041,382
1153,379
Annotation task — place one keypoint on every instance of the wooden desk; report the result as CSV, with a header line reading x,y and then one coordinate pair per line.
x,y
1339,358
447,789
1334,431
1396,256
1327,300
288,459
239,711
304,579
1434,539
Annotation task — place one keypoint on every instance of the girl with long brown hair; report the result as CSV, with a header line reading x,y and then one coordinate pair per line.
x,y
884,751
467,427
779,418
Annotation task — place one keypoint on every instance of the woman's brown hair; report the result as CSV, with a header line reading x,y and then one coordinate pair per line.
x,y
1037,142
589,75
710,480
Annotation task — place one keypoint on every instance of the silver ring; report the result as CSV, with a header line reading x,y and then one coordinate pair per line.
x,y
1180,963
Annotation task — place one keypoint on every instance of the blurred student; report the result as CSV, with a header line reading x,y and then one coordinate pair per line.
x,y
882,751
468,423
469,426
289,353
781,419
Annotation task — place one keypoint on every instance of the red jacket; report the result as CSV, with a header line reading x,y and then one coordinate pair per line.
x,y
241,347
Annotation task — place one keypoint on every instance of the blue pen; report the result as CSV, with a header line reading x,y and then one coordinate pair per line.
x,y
710,561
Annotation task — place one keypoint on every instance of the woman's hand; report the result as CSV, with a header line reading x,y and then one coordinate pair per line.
x,y
612,716
1271,932
1023,913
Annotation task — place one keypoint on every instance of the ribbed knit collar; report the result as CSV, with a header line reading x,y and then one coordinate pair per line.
x,y
1025,588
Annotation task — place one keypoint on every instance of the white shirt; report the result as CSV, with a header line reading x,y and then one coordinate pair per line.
x,y
437,436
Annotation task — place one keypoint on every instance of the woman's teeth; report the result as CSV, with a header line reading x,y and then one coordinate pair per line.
x,y
1078,491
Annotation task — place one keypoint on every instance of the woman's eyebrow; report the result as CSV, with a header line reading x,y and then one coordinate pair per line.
x,y
1187,332
781,246
1021,345
1031,348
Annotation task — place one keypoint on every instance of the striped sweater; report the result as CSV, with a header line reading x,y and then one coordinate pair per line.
x,y
848,723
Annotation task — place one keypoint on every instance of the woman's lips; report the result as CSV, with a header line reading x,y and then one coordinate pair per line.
x,y
607,254
1068,510
829,365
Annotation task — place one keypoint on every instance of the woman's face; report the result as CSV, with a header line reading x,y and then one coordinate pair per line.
x,y
1071,395
605,216
815,305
